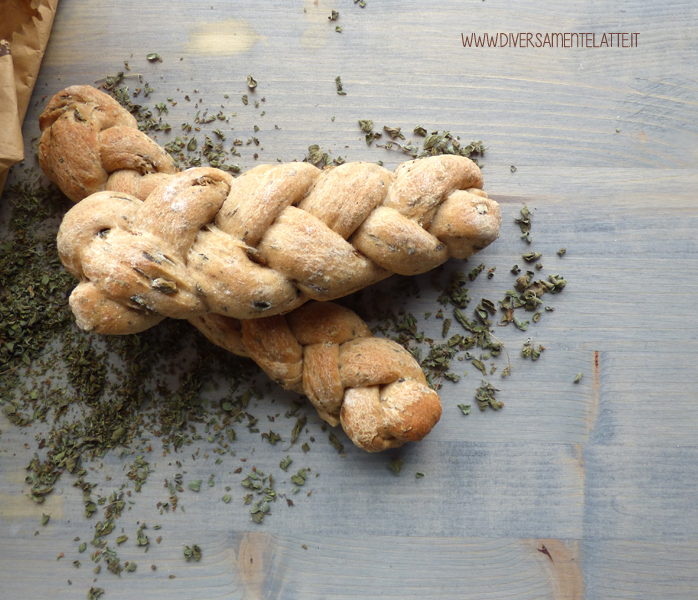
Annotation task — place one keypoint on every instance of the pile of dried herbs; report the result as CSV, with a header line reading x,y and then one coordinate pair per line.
x,y
84,396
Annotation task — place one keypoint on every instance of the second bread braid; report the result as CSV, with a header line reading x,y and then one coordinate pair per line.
x,y
372,386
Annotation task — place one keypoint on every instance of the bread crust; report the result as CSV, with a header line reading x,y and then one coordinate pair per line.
x,y
240,258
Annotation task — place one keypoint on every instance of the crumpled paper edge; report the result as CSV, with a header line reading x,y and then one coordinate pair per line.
x,y
11,146
27,46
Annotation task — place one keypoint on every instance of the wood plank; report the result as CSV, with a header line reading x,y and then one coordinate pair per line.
x,y
390,567
602,473
625,570
647,398
253,564
641,493
579,97
532,489
303,102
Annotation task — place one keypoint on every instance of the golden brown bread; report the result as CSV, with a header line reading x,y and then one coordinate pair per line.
x,y
88,137
148,242
204,242
372,386
258,245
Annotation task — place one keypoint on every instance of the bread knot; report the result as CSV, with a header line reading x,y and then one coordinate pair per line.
x,y
372,386
89,143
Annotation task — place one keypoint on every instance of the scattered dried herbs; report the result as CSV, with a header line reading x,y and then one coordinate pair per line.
x,y
192,552
438,143
336,443
298,427
524,223
485,396
271,437
300,477
366,125
338,83
529,350
396,465
476,271
393,132
321,159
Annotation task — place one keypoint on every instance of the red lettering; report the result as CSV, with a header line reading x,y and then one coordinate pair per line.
x,y
480,41
523,39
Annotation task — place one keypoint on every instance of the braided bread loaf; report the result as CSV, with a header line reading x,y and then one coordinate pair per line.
x,y
207,247
254,246
266,242
372,386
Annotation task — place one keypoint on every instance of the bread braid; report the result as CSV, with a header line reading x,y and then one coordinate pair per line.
x,y
208,248
266,242
254,246
372,386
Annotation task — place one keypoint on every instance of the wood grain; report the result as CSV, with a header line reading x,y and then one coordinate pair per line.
x,y
602,473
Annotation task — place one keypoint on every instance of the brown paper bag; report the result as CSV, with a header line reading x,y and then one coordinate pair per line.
x,y
25,26
11,147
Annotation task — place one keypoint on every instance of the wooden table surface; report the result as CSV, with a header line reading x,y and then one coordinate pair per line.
x,y
604,474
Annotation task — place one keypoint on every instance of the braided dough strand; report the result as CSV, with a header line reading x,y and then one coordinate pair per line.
x,y
372,386
88,136
203,242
